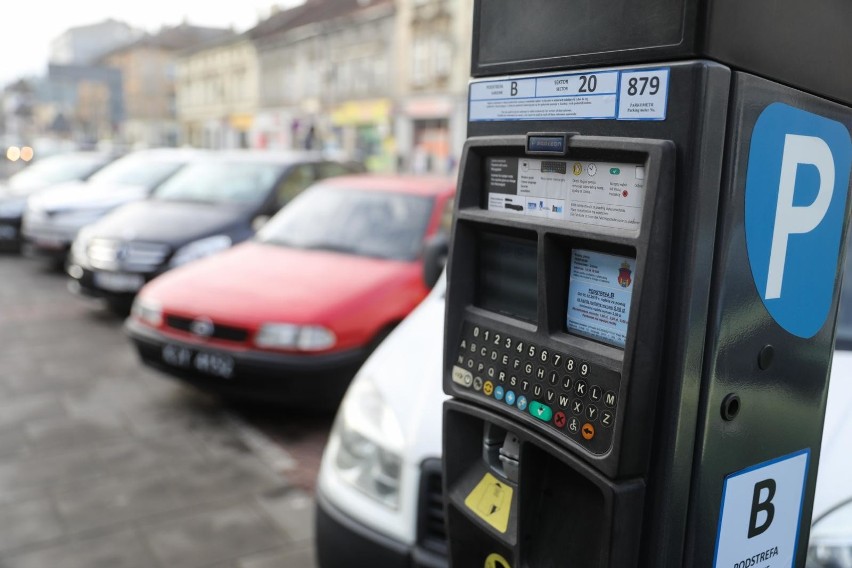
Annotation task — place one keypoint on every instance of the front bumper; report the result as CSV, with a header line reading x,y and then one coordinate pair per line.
x,y
342,542
86,284
47,240
317,381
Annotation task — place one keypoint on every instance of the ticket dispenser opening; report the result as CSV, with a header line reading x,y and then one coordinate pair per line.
x,y
559,268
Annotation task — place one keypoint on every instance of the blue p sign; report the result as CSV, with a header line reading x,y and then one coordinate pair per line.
x,y
796,186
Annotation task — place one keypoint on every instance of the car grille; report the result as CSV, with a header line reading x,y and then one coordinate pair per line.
x,y
224,332
108,254
431,531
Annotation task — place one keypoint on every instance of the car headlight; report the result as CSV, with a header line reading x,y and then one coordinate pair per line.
x,y
12,209
369,444
199,249
290,336
80,246
147,311
831,540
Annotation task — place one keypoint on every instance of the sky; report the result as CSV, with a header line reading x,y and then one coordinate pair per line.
x,y
28,26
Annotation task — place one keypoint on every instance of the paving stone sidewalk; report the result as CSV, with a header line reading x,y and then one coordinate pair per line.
x,y
106,464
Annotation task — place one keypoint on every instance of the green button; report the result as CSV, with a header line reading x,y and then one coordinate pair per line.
x,y
614,171
541,411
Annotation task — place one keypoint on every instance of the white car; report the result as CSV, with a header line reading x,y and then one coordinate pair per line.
x,y
831,528
379,493
379,485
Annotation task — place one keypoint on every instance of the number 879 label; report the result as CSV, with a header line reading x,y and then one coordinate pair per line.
x,y
643,94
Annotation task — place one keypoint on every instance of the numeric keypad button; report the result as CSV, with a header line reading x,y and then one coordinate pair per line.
x,y
543,355
531,351
570,365
584,369
556,360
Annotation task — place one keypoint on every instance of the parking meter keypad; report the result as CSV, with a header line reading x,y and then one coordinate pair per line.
x,y
559,389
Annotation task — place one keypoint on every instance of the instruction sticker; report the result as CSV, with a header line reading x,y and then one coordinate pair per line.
x,y
605,194
640,94
491,501
761,514
599,295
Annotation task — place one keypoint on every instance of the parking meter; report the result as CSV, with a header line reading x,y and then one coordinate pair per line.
x,y
643,282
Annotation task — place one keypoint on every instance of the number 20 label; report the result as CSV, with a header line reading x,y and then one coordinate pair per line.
x,y
643,94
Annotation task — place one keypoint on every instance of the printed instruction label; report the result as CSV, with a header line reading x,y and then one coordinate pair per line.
x,y
599,293
761,514
491,501
622,95
605,194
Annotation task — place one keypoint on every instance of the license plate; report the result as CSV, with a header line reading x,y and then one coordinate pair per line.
x,y
48,243
214,364
119,282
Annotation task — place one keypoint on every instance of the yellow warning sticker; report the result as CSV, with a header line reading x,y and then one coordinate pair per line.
x,y
494,560
491,500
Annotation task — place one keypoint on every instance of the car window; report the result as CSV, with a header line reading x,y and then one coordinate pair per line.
x,y
332,169
378,224
297,180
56,169
221,182
446,224
132,170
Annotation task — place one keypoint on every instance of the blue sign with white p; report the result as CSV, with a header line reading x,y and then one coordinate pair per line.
x,y
796,187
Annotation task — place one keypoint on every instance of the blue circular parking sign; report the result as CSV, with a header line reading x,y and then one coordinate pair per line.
x,y
795,201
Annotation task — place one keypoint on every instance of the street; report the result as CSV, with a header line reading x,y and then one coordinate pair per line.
x,y
104,463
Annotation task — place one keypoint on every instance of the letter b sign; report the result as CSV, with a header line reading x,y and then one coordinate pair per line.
x,y
796,187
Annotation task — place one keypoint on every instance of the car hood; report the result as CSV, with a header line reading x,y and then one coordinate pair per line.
x,y
173,222
835,461
266,283
75,196
407,371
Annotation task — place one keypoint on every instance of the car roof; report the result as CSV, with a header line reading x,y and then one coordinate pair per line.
x,y
177,154
413,184
265,156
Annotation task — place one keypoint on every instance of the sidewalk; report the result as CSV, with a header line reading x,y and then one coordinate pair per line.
x,y
105,464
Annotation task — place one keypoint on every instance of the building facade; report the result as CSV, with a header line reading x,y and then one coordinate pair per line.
x,y
217,95
83,45
326,79
148,70
434,45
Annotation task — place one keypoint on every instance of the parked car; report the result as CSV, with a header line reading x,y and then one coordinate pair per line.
x,y
831,525
207,207
54,217
291,315
40,175
379,497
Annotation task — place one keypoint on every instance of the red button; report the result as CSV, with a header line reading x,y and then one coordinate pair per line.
x,y
559,419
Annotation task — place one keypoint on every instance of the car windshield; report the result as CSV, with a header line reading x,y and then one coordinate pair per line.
x,y
137,170
221,182
376,224
56,169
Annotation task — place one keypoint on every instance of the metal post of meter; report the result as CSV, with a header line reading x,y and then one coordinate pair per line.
x,y
643,282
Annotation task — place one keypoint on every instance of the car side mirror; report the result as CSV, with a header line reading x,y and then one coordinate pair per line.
x,y
258,222
435,258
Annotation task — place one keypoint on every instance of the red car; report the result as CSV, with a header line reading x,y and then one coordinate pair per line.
x,y
291,315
